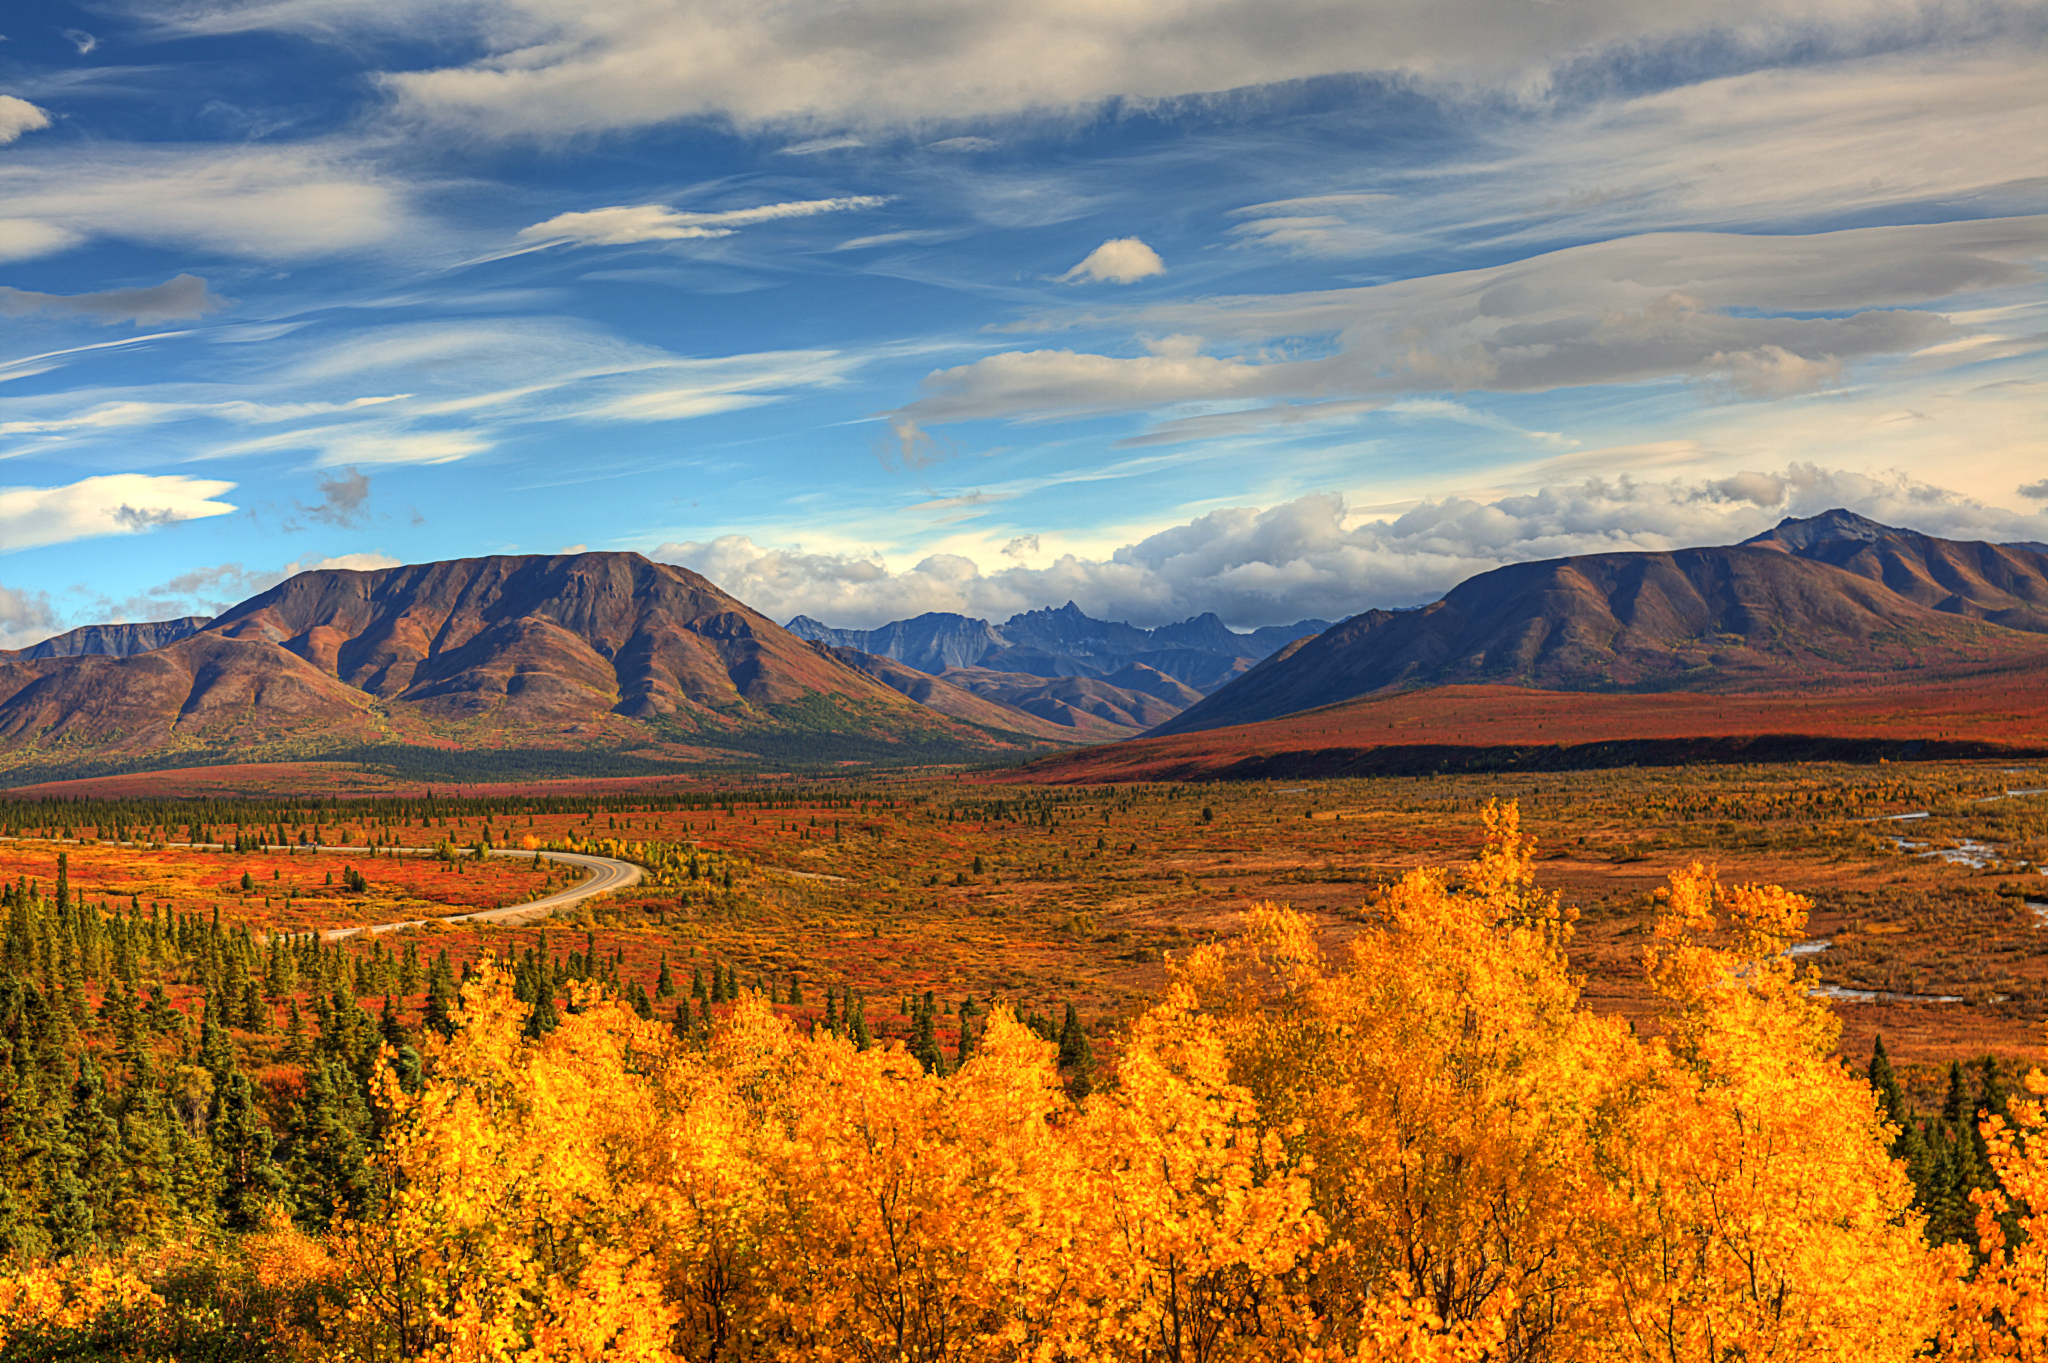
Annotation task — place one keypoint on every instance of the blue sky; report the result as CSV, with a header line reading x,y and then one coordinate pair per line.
x,y
1280,310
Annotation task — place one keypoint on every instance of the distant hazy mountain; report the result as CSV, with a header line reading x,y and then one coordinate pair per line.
x,y
962,703
1085,704
1832,597
110,641
1201,652
931,642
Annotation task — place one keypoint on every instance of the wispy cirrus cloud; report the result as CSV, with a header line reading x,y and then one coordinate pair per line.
x,y
552,68
1791,147
119,414
1752,315
625,226
269,203
469,386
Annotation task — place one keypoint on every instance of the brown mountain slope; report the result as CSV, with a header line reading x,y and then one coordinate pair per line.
x,y
542,637
201,690
486,652
936,694
2005,584
1150,681
1696,619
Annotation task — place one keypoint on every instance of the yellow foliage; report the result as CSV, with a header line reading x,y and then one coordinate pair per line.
x,y
2003,1312
1423,1149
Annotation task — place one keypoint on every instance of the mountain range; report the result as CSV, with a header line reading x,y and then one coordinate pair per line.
x,y
1083,677
113,641
1201,651
613,653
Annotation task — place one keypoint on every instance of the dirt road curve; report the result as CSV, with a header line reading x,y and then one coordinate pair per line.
x,y
605,876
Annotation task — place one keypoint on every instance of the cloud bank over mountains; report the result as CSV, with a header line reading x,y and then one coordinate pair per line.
x,y
1314,557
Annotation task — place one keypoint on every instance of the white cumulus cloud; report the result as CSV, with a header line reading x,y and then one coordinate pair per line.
x,y
211,590
18,116
1120,260
26,617
360,563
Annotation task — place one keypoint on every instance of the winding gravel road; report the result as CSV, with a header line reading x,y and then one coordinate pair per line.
x,y
605,876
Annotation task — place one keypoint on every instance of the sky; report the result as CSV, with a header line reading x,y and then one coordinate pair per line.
x,y
1278,309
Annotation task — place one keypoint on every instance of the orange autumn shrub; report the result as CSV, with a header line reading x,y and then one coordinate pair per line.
x,y
66,1295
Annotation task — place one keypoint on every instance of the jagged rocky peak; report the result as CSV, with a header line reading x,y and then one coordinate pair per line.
x,y
1064,641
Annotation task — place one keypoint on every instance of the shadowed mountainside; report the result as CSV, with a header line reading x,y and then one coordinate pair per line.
x,y
1773,612
942,695
1068,709
1116,710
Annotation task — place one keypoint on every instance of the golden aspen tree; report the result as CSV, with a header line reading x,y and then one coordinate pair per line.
x,y
66,1294
2002,1313
1751,1208
1438,1081
1194,1210
916,1218
512,1225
